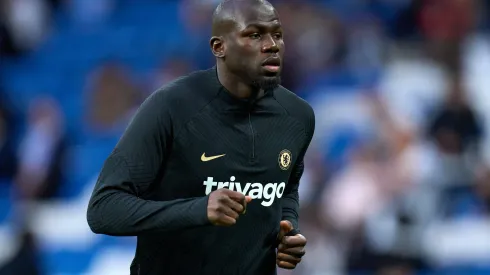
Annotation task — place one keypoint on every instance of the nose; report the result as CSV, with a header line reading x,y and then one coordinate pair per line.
x,y
270,45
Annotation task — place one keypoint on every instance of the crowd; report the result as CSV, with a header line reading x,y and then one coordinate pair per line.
x,y
397,179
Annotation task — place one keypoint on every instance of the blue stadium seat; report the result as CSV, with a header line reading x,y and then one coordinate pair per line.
x,y
66,261
5,200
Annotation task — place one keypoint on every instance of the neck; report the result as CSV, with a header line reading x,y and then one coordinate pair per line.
x,y
236,86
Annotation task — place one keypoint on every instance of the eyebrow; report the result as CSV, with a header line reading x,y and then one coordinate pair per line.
x,y
273,24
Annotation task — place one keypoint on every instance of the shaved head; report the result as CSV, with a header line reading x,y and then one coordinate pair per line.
x,y
228,13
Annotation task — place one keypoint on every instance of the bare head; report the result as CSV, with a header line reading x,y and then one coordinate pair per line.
x,y
247,41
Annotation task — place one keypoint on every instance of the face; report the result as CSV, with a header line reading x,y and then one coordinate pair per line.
x,y
253,50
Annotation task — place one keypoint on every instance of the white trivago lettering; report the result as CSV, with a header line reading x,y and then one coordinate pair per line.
x,y
267,192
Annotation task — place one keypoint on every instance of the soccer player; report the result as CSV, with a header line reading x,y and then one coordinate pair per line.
x,y
206,175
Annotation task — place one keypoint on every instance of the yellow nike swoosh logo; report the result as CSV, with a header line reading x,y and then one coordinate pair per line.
x,y
204,158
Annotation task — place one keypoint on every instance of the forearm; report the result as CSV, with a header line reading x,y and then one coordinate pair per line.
x,y
118,213
290,208
290,200
117,206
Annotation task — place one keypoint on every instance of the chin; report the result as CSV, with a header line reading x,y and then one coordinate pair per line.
x,y
268,82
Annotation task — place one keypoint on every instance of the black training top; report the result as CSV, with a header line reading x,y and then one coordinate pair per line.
x,y
186,140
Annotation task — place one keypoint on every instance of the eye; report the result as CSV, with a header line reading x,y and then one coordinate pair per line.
x,y
254,36
278,35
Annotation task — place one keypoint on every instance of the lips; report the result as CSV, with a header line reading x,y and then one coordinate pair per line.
x,y
272,64
272,61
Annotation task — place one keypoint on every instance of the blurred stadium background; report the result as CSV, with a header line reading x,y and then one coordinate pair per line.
x,y
397,180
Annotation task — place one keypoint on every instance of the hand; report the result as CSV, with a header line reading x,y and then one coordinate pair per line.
x,y
291,248
225,206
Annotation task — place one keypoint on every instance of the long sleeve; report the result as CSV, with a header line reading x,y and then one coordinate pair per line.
x,y
290,200
116,207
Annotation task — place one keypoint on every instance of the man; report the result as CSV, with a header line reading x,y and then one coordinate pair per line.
x,y
207,173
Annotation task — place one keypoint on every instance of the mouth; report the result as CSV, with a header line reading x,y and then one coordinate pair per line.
x,y
272,64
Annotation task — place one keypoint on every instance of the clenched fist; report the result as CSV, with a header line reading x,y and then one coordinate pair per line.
x,y
291,246
225,206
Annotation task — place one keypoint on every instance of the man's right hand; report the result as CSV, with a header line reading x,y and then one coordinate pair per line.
x,y
225,206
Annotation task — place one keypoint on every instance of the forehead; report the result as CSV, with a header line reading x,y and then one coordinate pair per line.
x,y
259,14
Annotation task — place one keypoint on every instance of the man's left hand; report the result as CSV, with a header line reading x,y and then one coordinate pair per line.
x,y
291,248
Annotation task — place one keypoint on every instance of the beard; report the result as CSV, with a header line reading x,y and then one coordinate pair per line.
x,y
267,82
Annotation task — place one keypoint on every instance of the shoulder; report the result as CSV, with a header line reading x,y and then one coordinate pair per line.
x,y
185,96
296,107
190,89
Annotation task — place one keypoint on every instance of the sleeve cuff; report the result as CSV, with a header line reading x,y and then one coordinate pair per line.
x,y
199,210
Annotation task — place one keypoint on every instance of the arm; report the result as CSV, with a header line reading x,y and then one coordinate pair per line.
x,y
116,207
290,200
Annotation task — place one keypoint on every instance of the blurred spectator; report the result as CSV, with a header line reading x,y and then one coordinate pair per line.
x,y
368,191
112,98
457,133
445,24
447,20
42,152
314,46
26,23
455,127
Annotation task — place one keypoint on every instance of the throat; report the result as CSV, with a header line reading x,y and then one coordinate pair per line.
x,y
247,93
244,92
237,87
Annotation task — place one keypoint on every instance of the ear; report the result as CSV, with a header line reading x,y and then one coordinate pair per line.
x,y
217,46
